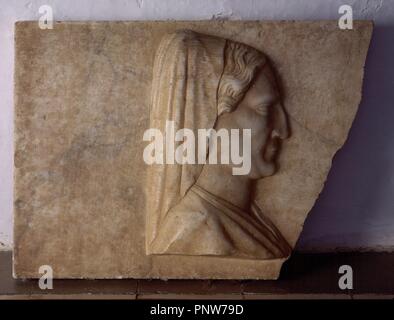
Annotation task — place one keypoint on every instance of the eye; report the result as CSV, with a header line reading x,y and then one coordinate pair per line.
x,y
262,108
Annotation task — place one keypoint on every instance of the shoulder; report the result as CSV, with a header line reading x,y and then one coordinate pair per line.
x,y
192,228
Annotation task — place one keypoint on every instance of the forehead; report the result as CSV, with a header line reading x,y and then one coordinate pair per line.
x,y
263,87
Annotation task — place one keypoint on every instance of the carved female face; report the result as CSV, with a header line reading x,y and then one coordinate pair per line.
x,y
261,111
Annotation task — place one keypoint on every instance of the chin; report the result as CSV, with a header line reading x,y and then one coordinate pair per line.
x,y
269,169
265,169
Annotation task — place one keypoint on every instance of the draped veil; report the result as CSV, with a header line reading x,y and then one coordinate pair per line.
x,y
186,73
188,89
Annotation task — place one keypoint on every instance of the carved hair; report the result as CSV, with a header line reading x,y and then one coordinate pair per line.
x,y
241,63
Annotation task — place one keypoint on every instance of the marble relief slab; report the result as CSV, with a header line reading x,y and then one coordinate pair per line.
x,y
88,204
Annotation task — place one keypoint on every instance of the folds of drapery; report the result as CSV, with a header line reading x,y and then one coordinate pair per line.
x,y
186,75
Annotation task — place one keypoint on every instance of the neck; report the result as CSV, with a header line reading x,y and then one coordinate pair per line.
x,y
219,181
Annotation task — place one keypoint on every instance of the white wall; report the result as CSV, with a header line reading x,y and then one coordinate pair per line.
x,y
356,208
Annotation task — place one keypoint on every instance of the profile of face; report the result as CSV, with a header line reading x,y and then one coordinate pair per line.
x,y
261,111
204,82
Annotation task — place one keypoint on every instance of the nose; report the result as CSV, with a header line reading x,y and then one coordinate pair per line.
x,y
280,127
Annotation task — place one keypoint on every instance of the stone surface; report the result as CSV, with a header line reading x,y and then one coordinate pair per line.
x,y
82,96
207,208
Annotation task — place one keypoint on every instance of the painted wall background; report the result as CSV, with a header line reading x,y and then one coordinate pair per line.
x,y
356,208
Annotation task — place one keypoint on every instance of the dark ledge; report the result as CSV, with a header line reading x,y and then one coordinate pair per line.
x,y
303,276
